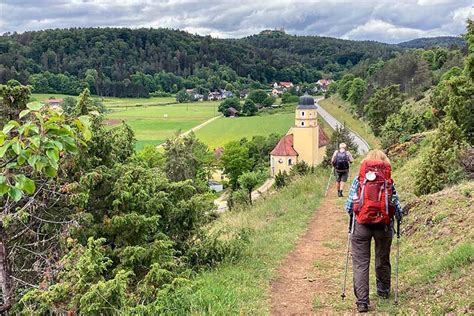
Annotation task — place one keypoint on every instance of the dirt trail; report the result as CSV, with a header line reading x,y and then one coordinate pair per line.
x,y
309,279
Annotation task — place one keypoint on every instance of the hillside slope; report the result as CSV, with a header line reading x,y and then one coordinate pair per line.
x,y
437,41
118,53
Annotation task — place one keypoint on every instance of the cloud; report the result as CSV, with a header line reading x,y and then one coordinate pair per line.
x,y
384,20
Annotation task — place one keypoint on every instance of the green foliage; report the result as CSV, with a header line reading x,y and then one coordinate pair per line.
x,y
300,168
220,246
356,94
384,102
281,179
182,96
232,102
249,108
248,181
14,97
258,97
187,158
150,156
32,146
344,85
469,61
235,161
441,164
289,98
400,125
268,101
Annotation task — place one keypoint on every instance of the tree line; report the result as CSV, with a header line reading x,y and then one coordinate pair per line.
x,y
126,62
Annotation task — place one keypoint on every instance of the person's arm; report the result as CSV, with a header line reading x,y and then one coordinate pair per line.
x,y
351,195
333,159
351,159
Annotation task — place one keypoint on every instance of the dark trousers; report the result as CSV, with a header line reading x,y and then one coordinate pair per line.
x,y
360,243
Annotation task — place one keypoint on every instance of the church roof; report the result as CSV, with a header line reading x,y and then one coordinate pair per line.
x,y
323,137
306,102
284,147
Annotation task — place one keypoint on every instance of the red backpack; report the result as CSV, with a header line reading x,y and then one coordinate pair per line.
x,y
374,203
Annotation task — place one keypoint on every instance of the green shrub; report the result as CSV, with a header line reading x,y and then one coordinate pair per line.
x,y
281,179
208,251
441,165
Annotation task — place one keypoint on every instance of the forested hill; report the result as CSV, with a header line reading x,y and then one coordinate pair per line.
x,y
439,41
117,53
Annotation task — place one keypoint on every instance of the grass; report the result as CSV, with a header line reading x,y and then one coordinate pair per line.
x,y
112,102
224,130
275,223
338,108
155,124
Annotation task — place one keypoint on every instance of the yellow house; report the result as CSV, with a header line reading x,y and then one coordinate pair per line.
x,y
305,141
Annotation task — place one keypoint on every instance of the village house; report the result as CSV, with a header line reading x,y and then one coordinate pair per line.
x,y
305,141
214,96
323,84
232,112
281,87
226,94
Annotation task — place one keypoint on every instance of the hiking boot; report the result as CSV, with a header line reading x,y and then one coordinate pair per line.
x,y
362,307
383,295
339,193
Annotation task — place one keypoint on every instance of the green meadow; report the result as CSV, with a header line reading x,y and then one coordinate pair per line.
x,y
111,102
155,124
226,129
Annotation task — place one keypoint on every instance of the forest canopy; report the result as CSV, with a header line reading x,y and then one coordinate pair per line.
x,y
133,63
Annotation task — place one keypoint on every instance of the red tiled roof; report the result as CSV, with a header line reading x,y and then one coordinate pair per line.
x,y
286,83
323,137
285,147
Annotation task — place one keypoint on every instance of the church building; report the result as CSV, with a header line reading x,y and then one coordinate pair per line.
x,y
305,141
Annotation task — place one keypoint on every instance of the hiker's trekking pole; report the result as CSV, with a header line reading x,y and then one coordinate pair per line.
x,y
398,258
351,218
329,181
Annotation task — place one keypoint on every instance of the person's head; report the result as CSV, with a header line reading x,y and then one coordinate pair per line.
x,y
342,147
376,154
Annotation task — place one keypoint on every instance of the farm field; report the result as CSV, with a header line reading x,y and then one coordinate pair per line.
x,y
154,124
227,129
111,102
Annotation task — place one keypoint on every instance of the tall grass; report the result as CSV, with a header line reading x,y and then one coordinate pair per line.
x,y
275,224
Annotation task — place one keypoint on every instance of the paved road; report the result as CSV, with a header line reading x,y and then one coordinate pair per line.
x,y
333,122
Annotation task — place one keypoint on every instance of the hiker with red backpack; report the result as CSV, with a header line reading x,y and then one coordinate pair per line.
x,y
341,160
372,204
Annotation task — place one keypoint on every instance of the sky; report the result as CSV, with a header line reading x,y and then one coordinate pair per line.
x,y
387,21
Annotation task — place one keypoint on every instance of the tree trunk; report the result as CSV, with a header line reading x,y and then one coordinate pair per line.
x,y
5,279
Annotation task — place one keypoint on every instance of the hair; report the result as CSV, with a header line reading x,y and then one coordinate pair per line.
x,y
342,145
377,154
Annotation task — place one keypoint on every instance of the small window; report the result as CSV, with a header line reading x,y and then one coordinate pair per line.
x,y
302,113
290,162
302,123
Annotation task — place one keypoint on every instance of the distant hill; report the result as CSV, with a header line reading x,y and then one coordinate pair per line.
x,y
439,41
118,53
